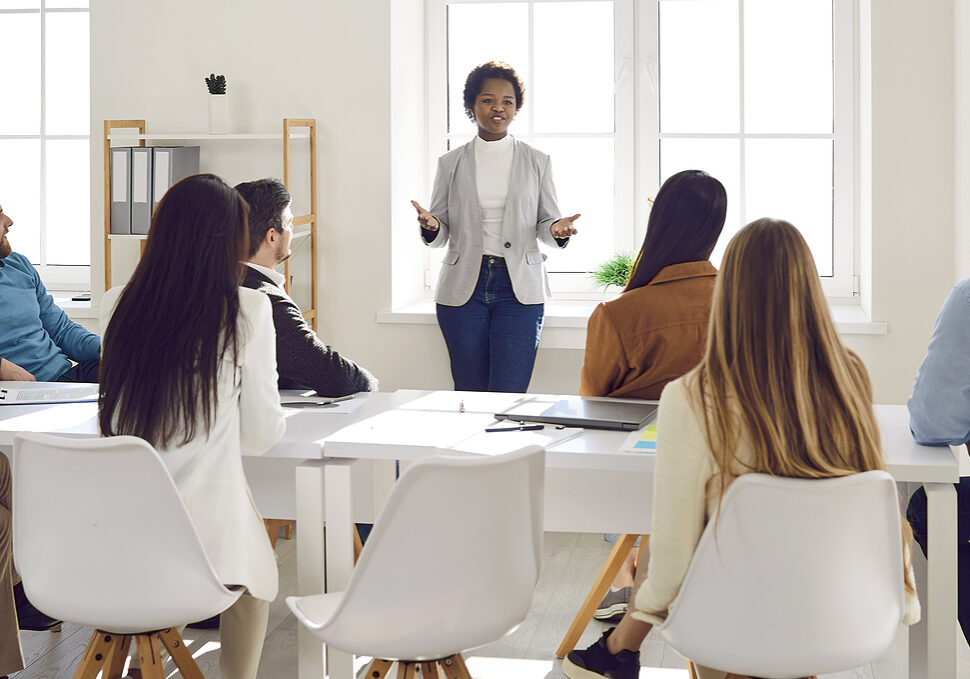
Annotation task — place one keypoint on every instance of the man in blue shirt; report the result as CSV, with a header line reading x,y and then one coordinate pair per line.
x,y
37,339
939,415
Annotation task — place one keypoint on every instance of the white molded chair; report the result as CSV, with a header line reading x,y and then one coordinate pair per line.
x,y
102,538
451,565
799,577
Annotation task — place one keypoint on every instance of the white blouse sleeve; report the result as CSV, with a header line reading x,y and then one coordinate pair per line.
x,y
679,502
261,423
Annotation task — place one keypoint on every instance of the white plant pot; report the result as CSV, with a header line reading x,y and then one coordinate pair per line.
x,y
218,113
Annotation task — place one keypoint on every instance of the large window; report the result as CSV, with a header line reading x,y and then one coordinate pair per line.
x,y
45,135
622,94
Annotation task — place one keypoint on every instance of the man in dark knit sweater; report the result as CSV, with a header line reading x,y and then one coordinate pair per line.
x,y
302,359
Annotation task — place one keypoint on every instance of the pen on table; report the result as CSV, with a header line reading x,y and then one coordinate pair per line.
x,y
524,427
310,404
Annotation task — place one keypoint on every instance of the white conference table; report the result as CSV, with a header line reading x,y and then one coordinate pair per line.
x,y
591,486
594,486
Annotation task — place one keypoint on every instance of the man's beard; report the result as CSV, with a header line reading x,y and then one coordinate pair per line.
x,y
281,255
5,248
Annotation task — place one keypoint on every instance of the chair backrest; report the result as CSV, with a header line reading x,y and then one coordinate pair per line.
x,y
452,562
102,538
799,577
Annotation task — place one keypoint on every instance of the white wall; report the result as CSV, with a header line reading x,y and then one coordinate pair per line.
x,y
913,190
342,63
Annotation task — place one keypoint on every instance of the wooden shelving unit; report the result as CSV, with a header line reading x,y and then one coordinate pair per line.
x,y
136,135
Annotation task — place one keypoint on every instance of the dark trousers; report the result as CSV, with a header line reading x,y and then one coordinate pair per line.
x,y
492,338
86,371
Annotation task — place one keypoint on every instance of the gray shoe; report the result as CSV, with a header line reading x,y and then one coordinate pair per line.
x,y
614,604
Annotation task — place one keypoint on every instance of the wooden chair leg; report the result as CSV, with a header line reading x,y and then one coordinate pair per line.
x,y
460,661
183,659
150,656
691,670
94,656
454,667
114,663
620,551
288,529
429,670
273,529
358,544
378,669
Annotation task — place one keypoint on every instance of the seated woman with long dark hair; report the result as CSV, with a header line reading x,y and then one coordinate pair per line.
x,y
775,393
655,331
189,365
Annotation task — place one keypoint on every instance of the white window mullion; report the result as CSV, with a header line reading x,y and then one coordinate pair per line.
x,y
530,110
42,147
647,109
625,215
742,172
845,162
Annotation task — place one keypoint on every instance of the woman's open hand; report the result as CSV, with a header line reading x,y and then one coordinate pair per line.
x,y
564,228
426,219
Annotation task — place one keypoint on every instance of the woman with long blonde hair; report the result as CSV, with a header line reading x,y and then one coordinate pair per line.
x,y
776,393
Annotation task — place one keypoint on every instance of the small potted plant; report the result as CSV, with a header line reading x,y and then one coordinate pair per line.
x,y
615,271
218,104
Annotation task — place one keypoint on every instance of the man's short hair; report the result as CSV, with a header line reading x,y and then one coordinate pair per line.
x,y
267,199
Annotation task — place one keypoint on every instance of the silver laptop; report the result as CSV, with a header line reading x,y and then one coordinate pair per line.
x,y
576,411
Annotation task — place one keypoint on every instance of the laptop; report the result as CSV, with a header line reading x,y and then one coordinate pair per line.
x,y
576,411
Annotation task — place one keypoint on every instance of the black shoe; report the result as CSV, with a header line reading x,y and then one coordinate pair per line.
x,y
28,617
208,623
597,662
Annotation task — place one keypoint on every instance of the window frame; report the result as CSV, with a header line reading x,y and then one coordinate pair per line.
x,y
636,164
66,277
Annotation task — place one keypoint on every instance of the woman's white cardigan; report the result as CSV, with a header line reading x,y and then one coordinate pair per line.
x,y
208,471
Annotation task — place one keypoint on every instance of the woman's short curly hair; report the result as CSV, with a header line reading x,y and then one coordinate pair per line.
x,y
491,69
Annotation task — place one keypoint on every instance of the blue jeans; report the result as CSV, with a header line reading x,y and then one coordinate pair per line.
x,y
492,338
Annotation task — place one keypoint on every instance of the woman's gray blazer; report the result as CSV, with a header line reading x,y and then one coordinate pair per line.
x,y
530,209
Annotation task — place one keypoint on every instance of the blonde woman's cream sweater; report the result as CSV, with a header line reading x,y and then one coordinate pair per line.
x,y
683,504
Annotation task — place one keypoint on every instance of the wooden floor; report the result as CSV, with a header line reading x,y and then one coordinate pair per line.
x,y
571,564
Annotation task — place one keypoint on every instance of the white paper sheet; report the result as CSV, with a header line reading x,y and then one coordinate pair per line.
x,y
48,394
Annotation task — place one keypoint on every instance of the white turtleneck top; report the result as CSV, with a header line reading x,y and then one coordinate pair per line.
x,y
493,172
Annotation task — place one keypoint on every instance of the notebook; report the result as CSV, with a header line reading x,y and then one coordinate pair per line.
x,y
576,411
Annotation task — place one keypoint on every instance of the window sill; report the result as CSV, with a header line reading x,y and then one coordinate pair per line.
x,y
564,326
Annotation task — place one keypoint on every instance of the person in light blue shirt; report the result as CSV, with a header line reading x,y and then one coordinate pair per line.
x,y
939,415
37,339
939,409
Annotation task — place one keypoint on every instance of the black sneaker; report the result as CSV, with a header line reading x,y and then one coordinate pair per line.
x,y
28,617
597,661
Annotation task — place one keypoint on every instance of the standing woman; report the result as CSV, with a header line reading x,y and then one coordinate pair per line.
x,y
189,365
493,201
775,393
655,331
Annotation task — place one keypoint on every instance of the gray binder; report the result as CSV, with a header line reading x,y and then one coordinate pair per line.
x,y
120,190
172,164
141,189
